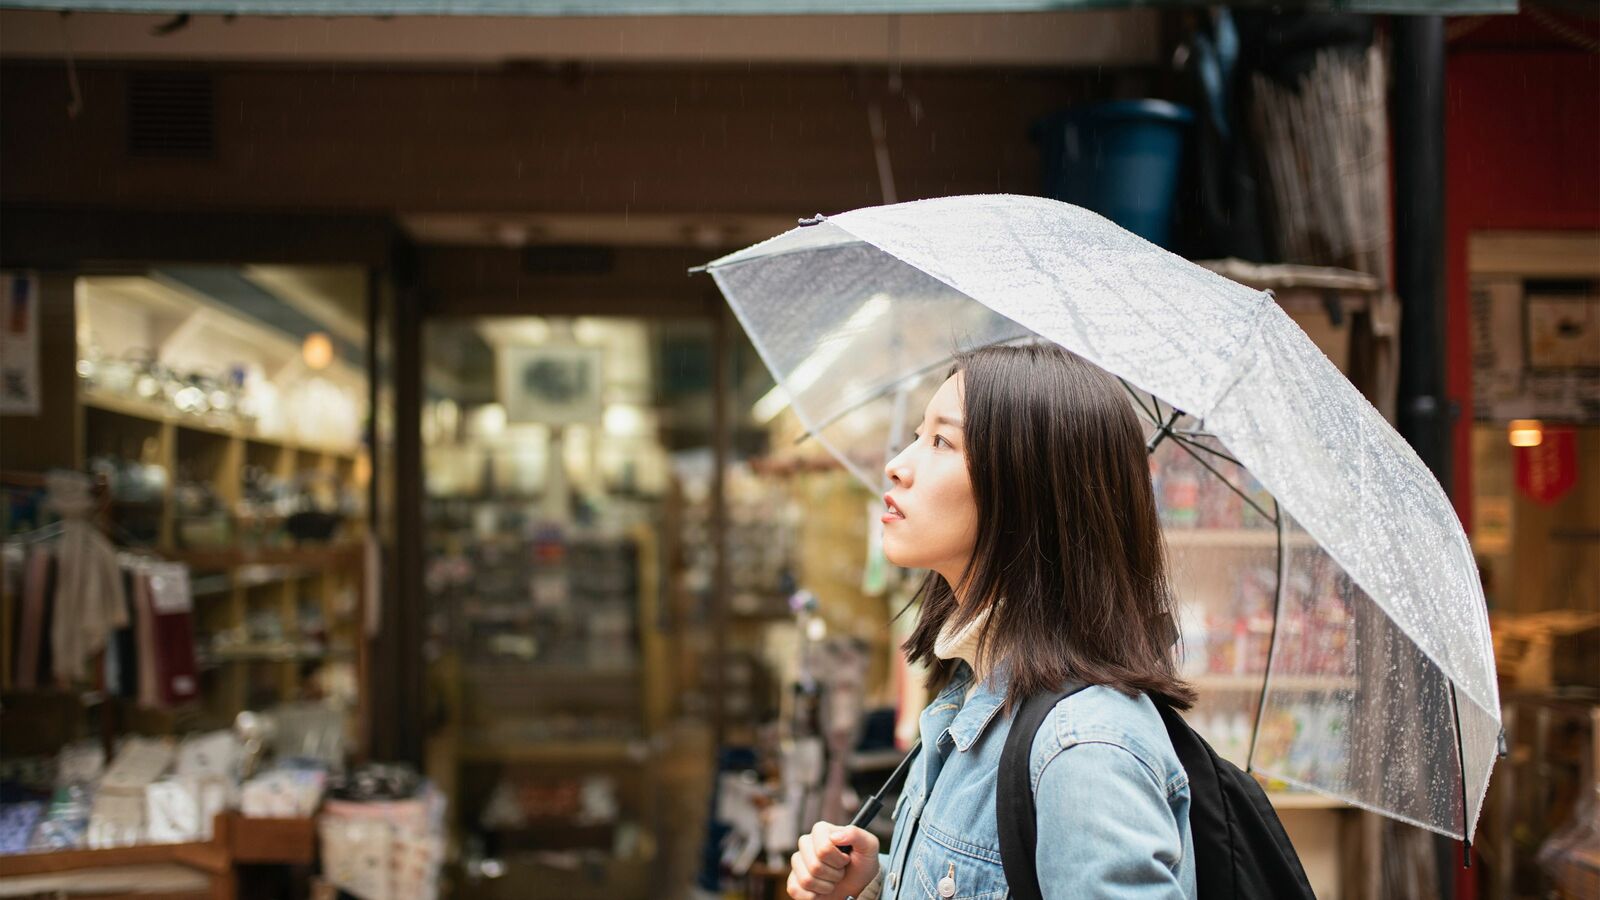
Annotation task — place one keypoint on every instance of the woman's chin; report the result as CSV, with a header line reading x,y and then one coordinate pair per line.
x,y
897,556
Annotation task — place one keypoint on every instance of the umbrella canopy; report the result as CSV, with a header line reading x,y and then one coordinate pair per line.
x,y
1376,677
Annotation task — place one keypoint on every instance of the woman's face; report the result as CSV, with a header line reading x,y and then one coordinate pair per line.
x,y
931,515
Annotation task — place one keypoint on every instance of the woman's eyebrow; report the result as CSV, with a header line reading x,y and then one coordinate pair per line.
x,y
946,420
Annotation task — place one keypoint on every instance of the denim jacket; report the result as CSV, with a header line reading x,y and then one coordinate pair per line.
x,y
1112,800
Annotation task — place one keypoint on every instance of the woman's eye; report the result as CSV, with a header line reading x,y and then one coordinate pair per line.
x,y
938,438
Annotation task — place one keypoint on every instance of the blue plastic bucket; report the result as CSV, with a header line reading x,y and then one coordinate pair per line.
x,y
1120,159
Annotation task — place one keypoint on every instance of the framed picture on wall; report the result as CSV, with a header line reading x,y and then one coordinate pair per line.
x,y
551,385
1563,328
1535,326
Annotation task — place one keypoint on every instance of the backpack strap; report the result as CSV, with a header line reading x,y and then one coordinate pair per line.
x,y
1015,813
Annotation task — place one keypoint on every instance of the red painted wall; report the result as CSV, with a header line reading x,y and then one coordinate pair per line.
x,y
1522,129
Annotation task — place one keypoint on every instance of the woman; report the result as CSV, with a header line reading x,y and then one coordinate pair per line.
x,y
1026,495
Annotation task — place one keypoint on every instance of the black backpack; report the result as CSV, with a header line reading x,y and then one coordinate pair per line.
x,y
1240,849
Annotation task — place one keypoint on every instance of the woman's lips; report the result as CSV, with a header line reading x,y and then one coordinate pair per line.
x,y
893,513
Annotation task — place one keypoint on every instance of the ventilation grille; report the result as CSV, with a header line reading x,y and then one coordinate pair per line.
x,y
171,115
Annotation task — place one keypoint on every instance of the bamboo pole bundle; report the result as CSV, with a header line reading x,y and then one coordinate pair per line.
x,y
1324,147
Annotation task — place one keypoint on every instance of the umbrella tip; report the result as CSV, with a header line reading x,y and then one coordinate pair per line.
x,y
813,220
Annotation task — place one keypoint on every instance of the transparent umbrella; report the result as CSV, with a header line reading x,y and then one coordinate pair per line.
x,y
1333,617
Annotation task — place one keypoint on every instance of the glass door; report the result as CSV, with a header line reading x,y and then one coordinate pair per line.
x,y
568,467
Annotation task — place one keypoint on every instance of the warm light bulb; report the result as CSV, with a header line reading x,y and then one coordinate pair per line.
x,y
1526,433
317,350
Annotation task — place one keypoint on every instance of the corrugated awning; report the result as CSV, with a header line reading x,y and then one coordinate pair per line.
x,y
714,7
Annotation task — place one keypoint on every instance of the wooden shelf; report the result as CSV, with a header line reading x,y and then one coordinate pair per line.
x,y
558,753
1304,800
312,557
158,415
491,672
206,856
1240,538
1230,683
235,840
292,841
247,653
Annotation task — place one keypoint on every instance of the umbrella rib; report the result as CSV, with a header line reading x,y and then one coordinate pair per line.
x,y
1154,417
1271,517
1183,437
707,267
882,392
1272,640
1461,757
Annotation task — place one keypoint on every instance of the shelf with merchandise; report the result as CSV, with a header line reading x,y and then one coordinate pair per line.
x,y
1233,538
216,494
559,753
1294,683
1304,800
155,414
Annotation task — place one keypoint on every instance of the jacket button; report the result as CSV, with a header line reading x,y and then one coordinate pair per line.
x,y
894,880
947,886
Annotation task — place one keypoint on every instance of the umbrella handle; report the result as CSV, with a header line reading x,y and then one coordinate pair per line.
x,y
874,805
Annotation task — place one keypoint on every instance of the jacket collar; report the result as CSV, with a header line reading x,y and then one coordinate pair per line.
x,y
967,720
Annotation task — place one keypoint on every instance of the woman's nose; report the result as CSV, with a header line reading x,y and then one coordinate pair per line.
x,y
897,470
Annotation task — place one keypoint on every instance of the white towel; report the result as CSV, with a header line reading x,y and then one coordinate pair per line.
x,y
89,599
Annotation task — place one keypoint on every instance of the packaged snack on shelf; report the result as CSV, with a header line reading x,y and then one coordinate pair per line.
x,y
139,761
283,794
213,754
17,822
116,819
81,762
66,821
1220,505
175,811
1180,491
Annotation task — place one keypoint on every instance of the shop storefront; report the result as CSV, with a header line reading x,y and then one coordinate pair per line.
x,y
217,415
504,569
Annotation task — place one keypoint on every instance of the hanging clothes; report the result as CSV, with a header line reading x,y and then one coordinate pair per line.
x,y
164,670
123,642
31,625
89,600
144,631
88,615
172,610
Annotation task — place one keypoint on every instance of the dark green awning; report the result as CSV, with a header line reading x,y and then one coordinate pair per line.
x,y
715,7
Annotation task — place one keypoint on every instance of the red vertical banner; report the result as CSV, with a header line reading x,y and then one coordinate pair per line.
x,y
1547,472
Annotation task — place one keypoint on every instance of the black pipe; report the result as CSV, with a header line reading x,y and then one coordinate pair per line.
x,y
1418,124
1424,412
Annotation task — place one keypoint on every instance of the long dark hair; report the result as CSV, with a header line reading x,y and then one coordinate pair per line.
x,y
1068,543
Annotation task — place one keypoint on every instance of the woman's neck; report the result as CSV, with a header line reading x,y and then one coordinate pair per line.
x,y
962,643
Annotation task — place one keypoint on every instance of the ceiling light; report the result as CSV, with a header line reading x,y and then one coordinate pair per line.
x,y
317,350
1526,433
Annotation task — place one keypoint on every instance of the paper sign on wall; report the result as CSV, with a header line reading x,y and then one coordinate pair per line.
x,y
19,343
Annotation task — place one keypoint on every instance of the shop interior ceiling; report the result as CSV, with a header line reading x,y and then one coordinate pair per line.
x,y
461,357
192,313
240,294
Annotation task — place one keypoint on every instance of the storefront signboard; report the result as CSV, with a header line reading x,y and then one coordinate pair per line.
x,y
1547,472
